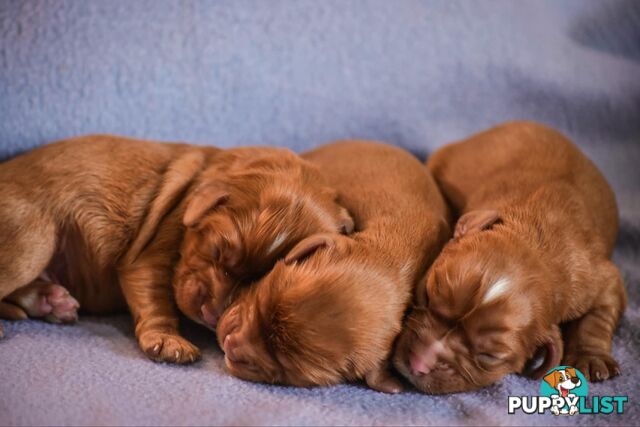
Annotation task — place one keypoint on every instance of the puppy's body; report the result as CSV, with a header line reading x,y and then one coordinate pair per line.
x,y
71,210
331,310
537,226
102,217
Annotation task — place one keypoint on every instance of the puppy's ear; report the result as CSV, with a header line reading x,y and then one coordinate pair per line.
x,y
550,351
345,223
475,221
205,198
552,379
308,246
420,292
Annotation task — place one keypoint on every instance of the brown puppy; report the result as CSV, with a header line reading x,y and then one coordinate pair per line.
x,y
331,310
531,251
102,217
265,202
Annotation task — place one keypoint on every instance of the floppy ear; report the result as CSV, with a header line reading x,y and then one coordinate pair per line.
x,y
552,379
475,221
345,223
308,246
205,198
551,350
572,372
175,182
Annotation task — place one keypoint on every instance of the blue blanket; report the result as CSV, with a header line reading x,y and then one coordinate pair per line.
x,y
297,74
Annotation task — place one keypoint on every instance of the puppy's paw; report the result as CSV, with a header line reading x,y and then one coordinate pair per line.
x,y
384,381
46,300
58,305
166,347
595,367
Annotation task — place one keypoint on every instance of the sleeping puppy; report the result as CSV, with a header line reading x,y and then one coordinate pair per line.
x,y
98,221
248,212
332,308
531,251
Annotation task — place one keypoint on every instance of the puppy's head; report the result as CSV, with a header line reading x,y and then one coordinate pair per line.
x,y
563,379
478,314
247,211
315,321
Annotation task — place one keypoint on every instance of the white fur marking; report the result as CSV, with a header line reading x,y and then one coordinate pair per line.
x,y
279,240
500,287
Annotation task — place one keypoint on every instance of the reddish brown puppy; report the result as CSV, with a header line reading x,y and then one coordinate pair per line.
x,y
98,221
331,310
531,251
248,211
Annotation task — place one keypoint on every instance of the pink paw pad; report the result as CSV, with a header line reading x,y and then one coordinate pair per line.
x,y
56,305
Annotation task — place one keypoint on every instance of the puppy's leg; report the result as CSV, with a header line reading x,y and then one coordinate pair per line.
x,y
148,294
43,299
588,339
27,243
146,285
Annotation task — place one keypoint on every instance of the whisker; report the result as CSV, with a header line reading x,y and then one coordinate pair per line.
x,y
470,377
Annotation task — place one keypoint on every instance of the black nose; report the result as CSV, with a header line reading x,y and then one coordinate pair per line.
x,y
575,380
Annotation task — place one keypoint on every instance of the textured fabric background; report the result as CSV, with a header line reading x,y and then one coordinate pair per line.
x,y
299,73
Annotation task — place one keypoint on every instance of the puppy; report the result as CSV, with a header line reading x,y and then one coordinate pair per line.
x,y
98,221
564,381
248,212
531,250
332,308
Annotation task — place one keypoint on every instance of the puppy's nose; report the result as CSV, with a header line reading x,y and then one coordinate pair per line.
x,y
575,380
418,365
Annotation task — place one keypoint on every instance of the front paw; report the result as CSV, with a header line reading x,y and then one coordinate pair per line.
x,y
595,367
384,381
167,347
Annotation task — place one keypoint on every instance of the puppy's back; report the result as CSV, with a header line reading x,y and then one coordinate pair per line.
x,y
516,159
87,157
376,179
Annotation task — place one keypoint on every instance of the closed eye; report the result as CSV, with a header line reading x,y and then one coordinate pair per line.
x,y
489,360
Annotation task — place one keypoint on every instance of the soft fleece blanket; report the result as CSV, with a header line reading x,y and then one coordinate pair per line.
x,y
299,73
